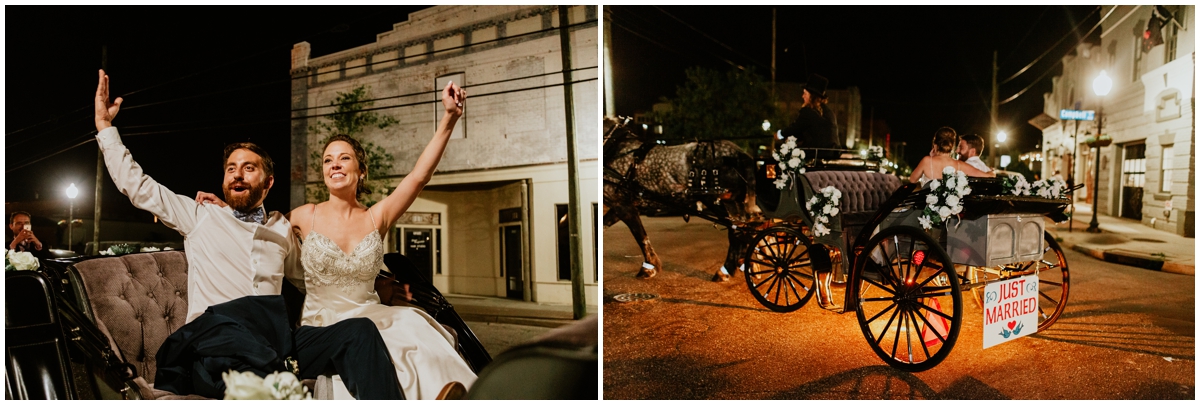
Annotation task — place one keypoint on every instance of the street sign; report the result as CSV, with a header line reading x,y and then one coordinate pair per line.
x,y
1010,310
1077,115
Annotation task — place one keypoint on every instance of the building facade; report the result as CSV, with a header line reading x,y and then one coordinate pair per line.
x,y
1148,172
491,222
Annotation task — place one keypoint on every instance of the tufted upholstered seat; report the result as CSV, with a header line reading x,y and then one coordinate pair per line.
x,y
862,192
137,301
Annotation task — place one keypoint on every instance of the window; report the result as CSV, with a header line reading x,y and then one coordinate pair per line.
x,y
1137,59
595,235
1133,167
1171,34
564,241
460,129
1168,158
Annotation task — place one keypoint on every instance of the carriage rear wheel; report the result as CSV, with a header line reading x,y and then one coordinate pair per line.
x,y
780,272
908,301
1054,279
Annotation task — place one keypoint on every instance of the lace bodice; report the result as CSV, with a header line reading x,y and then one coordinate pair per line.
x,y
325,264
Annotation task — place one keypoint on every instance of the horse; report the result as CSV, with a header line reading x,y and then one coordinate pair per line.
x,y
638,173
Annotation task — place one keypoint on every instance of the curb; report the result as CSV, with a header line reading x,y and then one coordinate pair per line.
x,y
1135,261
515,320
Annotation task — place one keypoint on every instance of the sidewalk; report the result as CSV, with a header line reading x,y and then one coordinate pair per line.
x,y
1128,242
476,308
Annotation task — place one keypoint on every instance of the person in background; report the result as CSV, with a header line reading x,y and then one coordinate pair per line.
x,y
969,148
23,238
814,126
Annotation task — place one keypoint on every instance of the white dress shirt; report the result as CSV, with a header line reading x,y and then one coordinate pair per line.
x,y
227,258
978,164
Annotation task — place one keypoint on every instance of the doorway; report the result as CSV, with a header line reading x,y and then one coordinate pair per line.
x,y
510,261
1133,179
418,245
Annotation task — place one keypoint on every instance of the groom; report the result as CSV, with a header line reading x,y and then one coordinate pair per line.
x,y
237,256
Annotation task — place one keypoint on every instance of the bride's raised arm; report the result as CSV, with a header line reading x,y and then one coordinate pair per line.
x,y
390,209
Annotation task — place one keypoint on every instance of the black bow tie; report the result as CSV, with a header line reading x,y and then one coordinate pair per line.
x,y
258,215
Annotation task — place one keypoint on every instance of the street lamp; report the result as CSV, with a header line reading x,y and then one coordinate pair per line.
x,y
71,193
766,125
1102,85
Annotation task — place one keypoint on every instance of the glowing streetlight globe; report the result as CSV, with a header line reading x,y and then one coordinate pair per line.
x,y
766,125
1103,84
1001,136
72,191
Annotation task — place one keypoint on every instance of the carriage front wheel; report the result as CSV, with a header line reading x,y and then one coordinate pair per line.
x,y
780,269
907,298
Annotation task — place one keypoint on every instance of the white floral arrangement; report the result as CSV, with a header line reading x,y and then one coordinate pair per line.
x,y
822,206
150,249
14,260
1016,185
279,385
945,198
1049,188
791,162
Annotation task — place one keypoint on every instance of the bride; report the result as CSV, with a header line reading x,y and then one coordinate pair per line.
x,y
342,252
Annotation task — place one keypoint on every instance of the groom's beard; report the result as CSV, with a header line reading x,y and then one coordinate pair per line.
x,y
246,201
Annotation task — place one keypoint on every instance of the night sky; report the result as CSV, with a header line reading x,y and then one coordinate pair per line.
x,y
194,79
918,67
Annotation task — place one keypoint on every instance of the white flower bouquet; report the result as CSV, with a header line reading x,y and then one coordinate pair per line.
x,y
14,260
945,198
279,385
1016,185
791,162
1049,188
822,206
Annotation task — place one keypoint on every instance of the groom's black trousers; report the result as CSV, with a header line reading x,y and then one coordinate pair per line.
x,y
251,334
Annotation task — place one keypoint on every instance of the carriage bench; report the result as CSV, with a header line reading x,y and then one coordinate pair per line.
x,y
106,318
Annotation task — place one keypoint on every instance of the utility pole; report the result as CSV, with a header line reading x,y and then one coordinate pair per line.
x,y
610,104
99,175
773,15
574,209
995,108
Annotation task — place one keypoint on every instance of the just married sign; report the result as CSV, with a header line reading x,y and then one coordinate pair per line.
x,y
1010,310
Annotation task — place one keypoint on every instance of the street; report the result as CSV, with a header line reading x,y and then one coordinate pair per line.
x,y
1126,333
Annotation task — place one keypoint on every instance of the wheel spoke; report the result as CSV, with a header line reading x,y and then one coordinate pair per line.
x,y
881,286
760,284
886,327
794,291
933,295
1048,298
921,336
928,308
884,311
774,280
770,270
935,332
1050,282
793,276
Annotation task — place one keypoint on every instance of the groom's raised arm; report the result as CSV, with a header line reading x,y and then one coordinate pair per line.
x,y
176,211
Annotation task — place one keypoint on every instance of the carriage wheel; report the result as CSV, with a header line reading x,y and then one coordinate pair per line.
x,y
909,306
1053,281
780,273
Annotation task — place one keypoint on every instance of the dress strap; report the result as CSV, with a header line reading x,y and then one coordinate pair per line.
x,y
372,219
313,227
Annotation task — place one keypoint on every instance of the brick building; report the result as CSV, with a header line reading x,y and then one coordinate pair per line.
x,y
489,223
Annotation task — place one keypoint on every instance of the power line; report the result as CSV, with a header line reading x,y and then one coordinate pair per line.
x,y
723,59
752,60
1052,47
1031,27
1055,65
435,91
234,125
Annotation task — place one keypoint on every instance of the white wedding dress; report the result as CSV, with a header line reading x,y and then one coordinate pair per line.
x,y
342,286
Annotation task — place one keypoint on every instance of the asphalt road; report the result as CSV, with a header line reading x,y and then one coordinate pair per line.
x,y
1126,333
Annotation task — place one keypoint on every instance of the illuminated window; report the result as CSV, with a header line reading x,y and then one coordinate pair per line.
x,y
1168,157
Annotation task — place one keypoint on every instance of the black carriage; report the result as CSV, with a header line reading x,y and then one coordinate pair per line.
x,y
904,283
